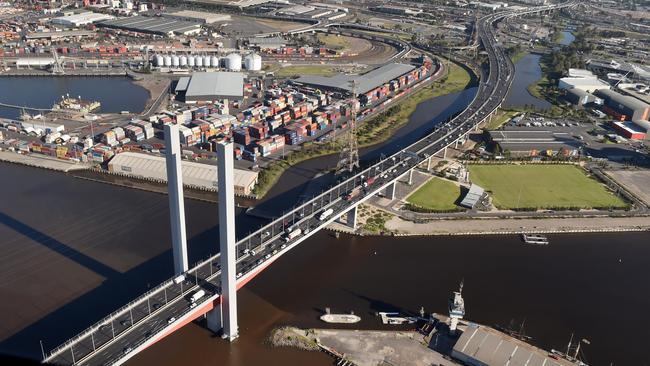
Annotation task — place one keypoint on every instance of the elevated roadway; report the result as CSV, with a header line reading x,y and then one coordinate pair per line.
x,y
168,307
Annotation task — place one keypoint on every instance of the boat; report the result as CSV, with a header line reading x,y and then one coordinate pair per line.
x,y
76,104
535,239
396,318
340,318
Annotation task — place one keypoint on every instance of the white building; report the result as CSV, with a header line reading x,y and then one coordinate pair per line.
x,y
588,84
80,19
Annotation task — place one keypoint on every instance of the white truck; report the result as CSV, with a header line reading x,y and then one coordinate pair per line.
x,y
292,234
325,214
197,295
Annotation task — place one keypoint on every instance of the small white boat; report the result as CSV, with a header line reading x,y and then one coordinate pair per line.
x,y
396,319
535,239
340,318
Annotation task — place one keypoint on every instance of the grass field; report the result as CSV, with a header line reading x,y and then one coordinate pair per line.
x,y
300,70
501,118
333,41
542,187
436,195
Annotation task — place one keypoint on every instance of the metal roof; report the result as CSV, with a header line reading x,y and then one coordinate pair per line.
x,y
480,345
194,174
366,82
215,85
473,195
156,25
624,100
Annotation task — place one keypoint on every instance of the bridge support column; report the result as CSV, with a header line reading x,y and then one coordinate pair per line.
x,y
351,218
214,320
429,161
225,172
389,192
456,144
444,153
176,203
410,177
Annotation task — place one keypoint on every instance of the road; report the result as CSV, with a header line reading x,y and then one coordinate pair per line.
x,y
116,338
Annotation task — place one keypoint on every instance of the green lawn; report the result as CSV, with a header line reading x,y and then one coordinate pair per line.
x,y
502,117
333,41
436,195
542,186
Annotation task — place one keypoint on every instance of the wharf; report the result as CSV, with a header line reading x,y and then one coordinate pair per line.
x,y
77,72
41,161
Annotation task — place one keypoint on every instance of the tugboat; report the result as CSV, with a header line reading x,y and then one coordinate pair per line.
x,y
534,239
396,318
77,105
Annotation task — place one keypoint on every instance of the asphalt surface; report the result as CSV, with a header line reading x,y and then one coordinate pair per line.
x,y
116,337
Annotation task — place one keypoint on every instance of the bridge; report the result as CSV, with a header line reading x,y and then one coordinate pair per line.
x,y
169,306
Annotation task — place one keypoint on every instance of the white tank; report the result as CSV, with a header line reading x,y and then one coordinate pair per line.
x,y
176,61
183,61
214,61
233,62
206,61
159,60
253,62
199,61
190,61
168,60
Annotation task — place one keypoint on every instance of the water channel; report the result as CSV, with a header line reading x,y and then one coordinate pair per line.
x,y
115,93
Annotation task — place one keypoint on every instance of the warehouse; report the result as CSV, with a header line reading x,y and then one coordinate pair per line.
x,y
80,19
154,25
588,84
581,97
630,130
366,82
534,142
624,106
195,175
198,16
397,10
210,86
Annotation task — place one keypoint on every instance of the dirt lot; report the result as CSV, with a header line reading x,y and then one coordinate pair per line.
x,y
636,181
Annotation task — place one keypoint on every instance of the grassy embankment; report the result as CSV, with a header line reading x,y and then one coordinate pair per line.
x,y
533,187
299,70
333,41
436,195
502,117
372,131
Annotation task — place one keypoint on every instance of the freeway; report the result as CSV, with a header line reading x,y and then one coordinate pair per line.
x,y
169,306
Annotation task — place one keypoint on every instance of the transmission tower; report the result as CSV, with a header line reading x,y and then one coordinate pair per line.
x,y
349,159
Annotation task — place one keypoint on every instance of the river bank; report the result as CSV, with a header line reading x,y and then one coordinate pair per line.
x,y
497,226
41,161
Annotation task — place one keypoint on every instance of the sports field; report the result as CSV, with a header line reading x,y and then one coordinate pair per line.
x,y
436,195
542,187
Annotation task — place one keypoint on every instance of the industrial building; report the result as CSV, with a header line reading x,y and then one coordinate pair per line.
x,y
366,82
210,86
588,84
80,19
195,175
632,71
624,107
198,16
480,346
580,97
399,10
534,142
630,130
153,25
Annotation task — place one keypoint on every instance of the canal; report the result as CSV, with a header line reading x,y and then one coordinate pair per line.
x,y
116,93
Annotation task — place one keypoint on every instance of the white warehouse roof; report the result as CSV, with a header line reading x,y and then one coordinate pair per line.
x,y
81,19
194,174
212,85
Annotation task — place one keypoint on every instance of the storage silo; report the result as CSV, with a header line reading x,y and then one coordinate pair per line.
x,y
199,61
183,61
176,61
214,61
190,61
206,61
168,60
233,62
159,60
253,62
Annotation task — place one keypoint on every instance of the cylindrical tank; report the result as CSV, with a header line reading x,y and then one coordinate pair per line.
x,y
253,62
199,61
159,61
206,61
214,61
233,62
176,61
183,61
190,61
168,60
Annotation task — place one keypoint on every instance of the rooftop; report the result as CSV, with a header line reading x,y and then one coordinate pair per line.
x,y
212,84
156,25
366,82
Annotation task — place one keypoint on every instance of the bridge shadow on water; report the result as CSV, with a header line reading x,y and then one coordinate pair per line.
x,y
116,290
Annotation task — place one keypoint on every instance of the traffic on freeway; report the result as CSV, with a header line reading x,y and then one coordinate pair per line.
x,y
130,329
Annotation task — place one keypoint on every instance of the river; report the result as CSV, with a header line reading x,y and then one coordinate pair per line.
x,y
527,71
74,250
115,93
